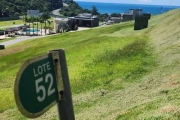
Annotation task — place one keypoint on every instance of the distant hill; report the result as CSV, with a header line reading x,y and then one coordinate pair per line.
x,y
19,7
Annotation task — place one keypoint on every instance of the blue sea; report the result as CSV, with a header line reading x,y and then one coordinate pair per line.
x,y
124,8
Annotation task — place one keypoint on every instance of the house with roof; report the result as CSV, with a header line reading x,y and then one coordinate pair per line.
x,y
116,19
84,20
81,20
133,13
34,13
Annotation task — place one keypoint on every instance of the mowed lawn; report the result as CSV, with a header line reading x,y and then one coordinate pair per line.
x,y
11,22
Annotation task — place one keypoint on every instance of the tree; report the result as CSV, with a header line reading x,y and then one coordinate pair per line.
x,y
94,10
72,10
37,22
5,14
28,20
16,14
20,7
41,20
56,4
63,27
115,15
25,19
32,20
45,16
49,22
104,17
86,11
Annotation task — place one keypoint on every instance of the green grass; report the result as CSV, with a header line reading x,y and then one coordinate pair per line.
x,y
11,22
7,100
111,52
115,72
156,108
126,61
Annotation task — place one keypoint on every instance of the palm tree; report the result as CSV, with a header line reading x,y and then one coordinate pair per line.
x,y
45,16
37,21
49,22
32,20
41,20
94,10
28,21
25,19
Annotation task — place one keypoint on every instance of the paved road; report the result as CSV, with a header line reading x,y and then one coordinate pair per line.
x,y
56,12
19,39
65,5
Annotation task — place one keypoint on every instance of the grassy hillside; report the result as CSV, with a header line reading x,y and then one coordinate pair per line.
x,y
115,72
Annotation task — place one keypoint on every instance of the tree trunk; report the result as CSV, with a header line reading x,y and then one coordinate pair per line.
x,y
45,27
33,28
29,28
37,27
49,26
41,29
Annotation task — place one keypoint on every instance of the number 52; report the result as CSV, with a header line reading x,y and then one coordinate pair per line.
x,y
42,88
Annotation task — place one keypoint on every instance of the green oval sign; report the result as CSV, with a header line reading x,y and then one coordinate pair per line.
x,y
36,87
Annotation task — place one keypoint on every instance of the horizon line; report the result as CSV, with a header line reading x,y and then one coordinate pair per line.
x,y
126,3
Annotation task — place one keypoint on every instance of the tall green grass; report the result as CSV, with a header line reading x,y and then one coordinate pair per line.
x,y
126,58
95,59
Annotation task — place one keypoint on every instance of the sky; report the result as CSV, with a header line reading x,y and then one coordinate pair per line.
x,y
148,2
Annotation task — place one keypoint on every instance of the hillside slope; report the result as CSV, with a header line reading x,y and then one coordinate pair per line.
x,y
157,95
116,73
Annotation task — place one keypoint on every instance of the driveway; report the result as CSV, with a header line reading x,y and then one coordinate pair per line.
x,y
20,39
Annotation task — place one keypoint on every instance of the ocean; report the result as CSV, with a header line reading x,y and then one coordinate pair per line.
x,y
124,8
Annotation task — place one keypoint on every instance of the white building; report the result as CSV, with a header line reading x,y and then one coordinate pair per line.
x,y
57,21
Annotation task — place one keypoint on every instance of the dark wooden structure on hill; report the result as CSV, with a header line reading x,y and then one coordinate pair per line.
x,y
141,22
2,47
